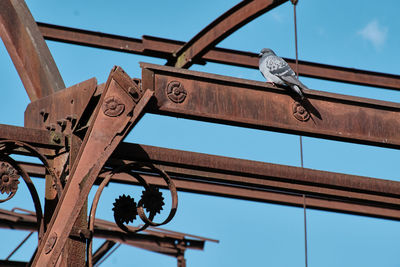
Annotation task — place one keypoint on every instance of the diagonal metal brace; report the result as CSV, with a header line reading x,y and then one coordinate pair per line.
x,y
119,108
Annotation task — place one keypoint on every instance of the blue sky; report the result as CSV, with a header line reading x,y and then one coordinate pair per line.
x,y
358,34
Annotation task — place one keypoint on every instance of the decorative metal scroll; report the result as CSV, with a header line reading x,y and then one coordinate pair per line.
x,y
11,171
126,209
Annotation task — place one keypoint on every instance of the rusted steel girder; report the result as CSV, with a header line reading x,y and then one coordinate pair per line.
x,y
277,197
158,240
266,182
222,27
38,138
258,181
161,240
48,113
229,100
165,48
119,108
28,50
239,172
6,263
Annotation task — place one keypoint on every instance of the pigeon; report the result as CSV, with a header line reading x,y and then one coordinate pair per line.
x,y
278,72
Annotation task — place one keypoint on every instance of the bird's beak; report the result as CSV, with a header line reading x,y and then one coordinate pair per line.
x,y
260,55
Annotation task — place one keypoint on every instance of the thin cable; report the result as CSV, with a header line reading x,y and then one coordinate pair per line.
x,y
295,38
108,255
20,244
301,152
294,2
297,71
305,230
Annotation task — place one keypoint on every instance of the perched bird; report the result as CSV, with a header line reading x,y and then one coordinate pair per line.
x,y
277,71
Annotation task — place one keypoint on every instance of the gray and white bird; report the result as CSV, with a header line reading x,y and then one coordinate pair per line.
x,y
277,71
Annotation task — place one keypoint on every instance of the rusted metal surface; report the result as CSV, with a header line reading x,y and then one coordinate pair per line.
x,y
7,263
104,114
228,100
90,38
28,50
38,138
266,182
158,240
224,169
222,27
10,173
103,135
278,197
126,209
74,253
259,181
165,48
9,180
154,239
48,114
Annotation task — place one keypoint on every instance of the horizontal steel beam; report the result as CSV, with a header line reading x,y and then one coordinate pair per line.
x,y
229,100
281,198
259,181
167,242
6,263
40,138
165,48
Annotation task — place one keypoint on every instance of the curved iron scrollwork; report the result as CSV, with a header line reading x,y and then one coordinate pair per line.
x,y
8,180
11,171
126,209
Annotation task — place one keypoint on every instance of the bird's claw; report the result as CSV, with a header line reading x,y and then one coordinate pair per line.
x,y
271,83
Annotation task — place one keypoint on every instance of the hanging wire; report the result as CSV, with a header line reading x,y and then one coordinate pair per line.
x,y
294,2
295,37
20,244
305,231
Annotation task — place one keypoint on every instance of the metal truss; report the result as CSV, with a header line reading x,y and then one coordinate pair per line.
x,y
79,143
166,242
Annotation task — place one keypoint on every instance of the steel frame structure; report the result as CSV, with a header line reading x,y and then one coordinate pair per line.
x,y
79,144
170,243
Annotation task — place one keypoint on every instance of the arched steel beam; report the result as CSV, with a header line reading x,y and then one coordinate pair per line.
x,y
222,27
28,50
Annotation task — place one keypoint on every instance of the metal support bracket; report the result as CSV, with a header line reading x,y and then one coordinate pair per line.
x,y
115,114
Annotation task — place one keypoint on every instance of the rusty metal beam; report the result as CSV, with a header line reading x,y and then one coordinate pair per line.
x,y
157,241
222,27
28,50
251,180
229,100
281,198
39,138
259,181
6,263
118,110
165,48
218,169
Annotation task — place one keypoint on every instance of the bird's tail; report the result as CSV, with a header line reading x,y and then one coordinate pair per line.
x,y
298,91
